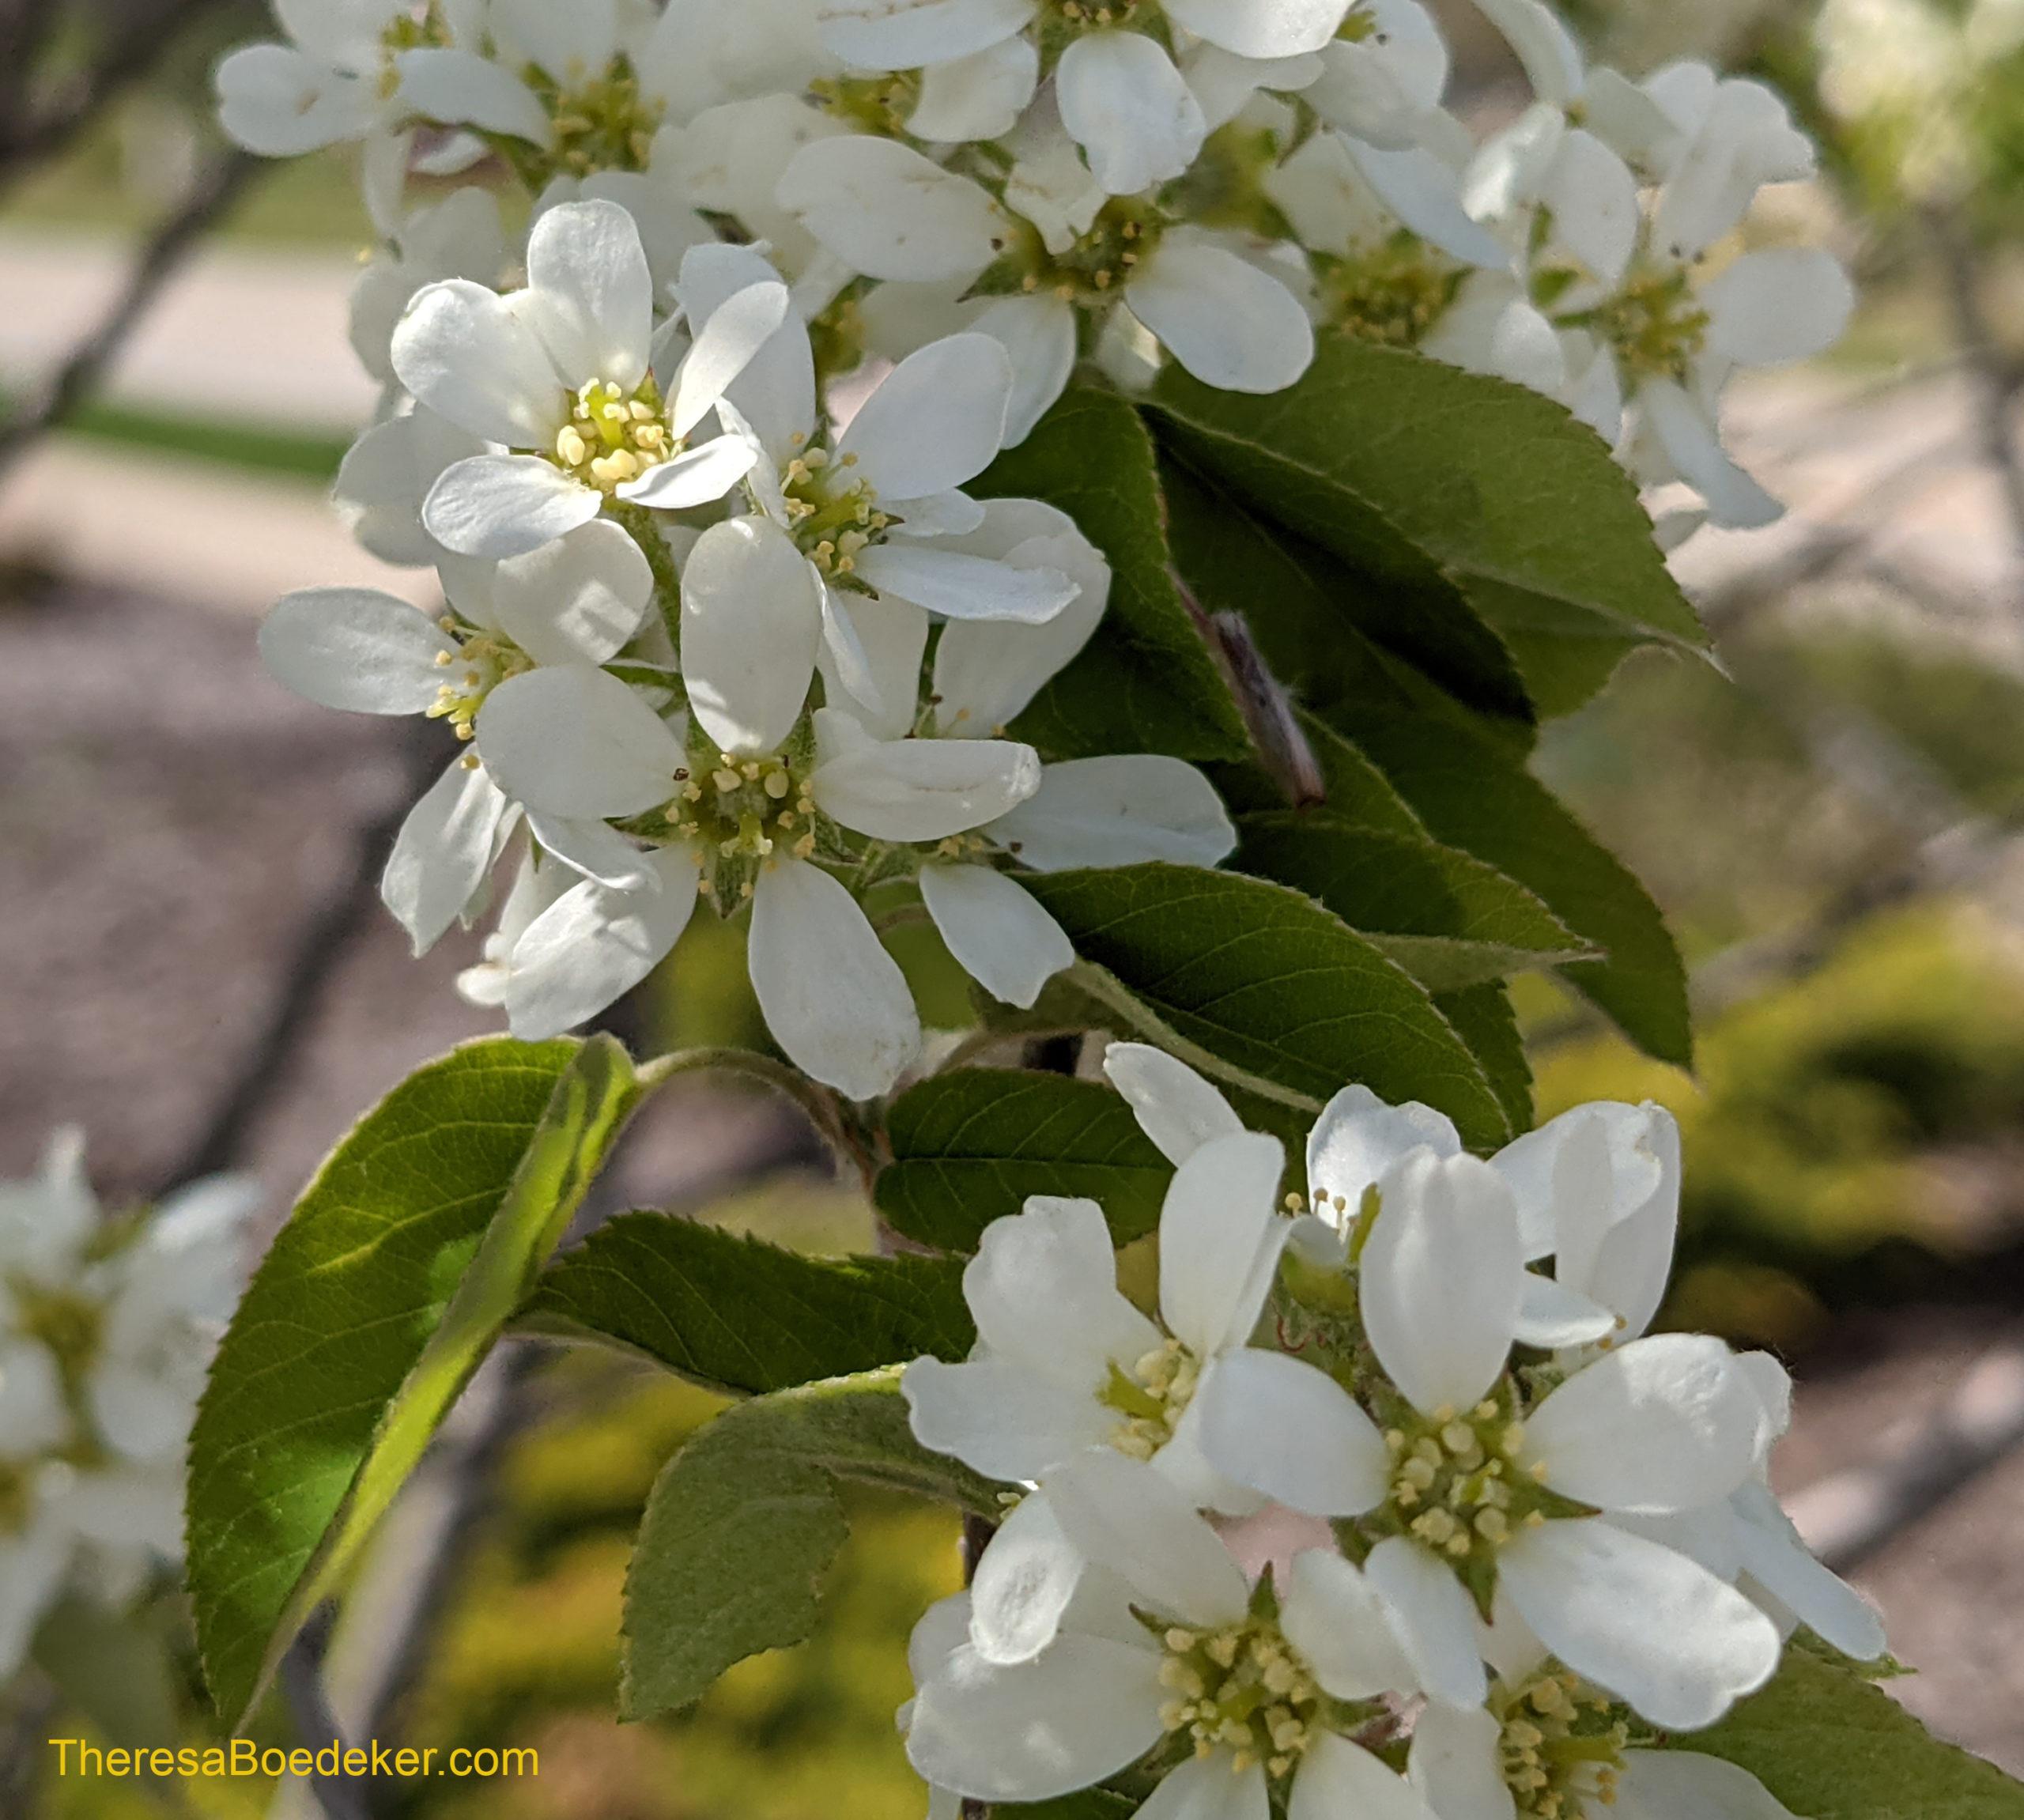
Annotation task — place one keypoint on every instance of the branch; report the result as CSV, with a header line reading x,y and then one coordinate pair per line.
x,y
213,194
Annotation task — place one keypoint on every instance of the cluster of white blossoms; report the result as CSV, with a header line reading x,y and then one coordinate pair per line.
x,y
1118,182
1535,1541
107,1325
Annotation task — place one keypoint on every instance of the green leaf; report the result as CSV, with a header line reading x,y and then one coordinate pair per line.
x,y
1483,1018
1084,1804
1509,508
1145,682
1299,557
1831,1745
422,1232
738,1314
1355,791
1473,793
969,1146
1449,920
1269,983
743,1521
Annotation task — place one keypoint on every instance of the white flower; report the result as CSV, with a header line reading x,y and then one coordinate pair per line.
x,y
105,1338
1134,115
732,818
561,371
891,213
387,474
459,237
1164,1651
335,80
878,512
1547,1742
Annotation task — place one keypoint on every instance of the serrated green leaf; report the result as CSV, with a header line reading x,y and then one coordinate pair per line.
x,y
1449,920
400,1265
1831,1745
743,1521
1483,1019
1240,551
737,1314
1273,984
1473,793
1145,682
1354,790
1520,511
969,1146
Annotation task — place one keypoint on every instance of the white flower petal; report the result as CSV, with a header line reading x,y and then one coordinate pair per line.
x,y
596,850
1358,1138
501,506
1043,1290
1426,195
698,476
1039,334
1554,1315
1664,1424
577,742
1118,811
980,96
912,34
751,620
915,789
463,87
279,104
999,935
1593,199
726,342
1210,1787
1129,108
1545,47
892,213
356,648
1338,1777
590,296
1441,1279
1693,447
443,850
1260,27
1780,304
1434,1619
1175,1106
999,1417
935,421
834,999
1689,1785
1220,1238
1036,1729
883,658
569,43
1654,1628
1023,1584
986,672
1125,1516
387,474
593,945
960,587
1456,1763
950,514
469,356
1286,1429
1772,1552
577,600
775,390
1332,1614
1229,324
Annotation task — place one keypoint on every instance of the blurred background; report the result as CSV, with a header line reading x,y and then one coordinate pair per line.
x,y
192,963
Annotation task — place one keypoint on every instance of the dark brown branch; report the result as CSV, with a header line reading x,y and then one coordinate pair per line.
x,y
213,194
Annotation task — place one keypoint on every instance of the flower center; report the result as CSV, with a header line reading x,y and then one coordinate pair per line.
x,y
613,436
1561,1746
600,123
482,661
1242,1689
1150,1397
1655,323
736,813
832,510
421,28
1456,1482
879,104
1102,260
1391,293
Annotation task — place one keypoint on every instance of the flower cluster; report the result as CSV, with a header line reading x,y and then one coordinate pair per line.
x,y
1113,182
1537,1538
105,1327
